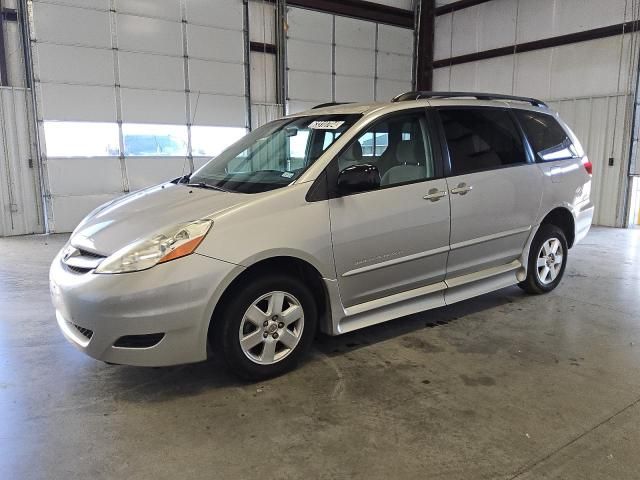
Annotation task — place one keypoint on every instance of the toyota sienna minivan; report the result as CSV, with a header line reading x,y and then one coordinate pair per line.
x,y
330,220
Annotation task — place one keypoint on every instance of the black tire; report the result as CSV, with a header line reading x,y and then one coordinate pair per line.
x,y
227,327
533,284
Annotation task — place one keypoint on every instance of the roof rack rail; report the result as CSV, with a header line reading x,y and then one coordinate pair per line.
x,y
329,104
480,96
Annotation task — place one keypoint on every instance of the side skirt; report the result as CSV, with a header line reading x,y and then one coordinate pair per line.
x,y
420,299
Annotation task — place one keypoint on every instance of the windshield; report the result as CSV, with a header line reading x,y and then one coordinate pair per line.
x,y
273,155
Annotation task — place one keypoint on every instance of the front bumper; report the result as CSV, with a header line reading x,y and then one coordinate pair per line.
x,y
175,298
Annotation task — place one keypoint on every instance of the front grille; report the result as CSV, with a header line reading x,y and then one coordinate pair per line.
x,y
81,261
75,269
87,253
84,331
139,341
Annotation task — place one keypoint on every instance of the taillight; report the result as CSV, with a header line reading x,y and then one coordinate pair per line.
x,y
588,166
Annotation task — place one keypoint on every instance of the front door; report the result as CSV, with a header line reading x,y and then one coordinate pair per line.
x,y
495,192
394,238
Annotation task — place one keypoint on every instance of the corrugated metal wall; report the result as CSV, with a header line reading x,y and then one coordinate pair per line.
x,y
591,83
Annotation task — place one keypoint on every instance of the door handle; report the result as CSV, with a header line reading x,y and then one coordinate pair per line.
x,y
434,194
461,189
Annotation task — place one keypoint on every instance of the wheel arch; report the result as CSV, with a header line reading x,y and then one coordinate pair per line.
x,y
287,264
562,218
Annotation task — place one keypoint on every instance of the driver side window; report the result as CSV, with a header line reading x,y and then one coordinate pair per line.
x,y
398,146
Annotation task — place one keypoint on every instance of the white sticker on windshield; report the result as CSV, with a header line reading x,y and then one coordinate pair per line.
x,y
326,125
287,174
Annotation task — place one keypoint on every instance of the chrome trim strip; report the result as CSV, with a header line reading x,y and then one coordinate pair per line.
x,y
486,238
396,261
395,298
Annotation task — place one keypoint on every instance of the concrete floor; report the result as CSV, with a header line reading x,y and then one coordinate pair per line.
x,y
504,386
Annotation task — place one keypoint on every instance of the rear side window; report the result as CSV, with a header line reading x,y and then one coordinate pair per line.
x,y
481,139
547,138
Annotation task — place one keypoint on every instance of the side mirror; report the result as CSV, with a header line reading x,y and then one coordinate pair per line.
x,y
358,178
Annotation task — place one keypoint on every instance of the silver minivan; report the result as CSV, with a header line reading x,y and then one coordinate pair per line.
x,y
330,220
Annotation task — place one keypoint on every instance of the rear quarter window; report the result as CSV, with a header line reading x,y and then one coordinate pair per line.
x,y
548,139
481,139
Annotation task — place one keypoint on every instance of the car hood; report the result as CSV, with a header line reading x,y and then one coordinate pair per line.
x,y
142,214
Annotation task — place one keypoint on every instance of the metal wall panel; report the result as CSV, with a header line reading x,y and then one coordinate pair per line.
x,y
68,210
355,33
20,205
220,13
310,26
151,71
65,64
71,25
353,89
394,67
94,4
216,77
500,23
145,171
404,4
599,123
356,62
394,62
169,9
211,43
262,27
142,34
162,62
310,86
217,110
264,106
153,106
334,58
395,40
77,102
84,176
387,89
309,56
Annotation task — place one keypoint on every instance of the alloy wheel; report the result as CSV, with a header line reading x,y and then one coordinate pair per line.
x,y
550,260
271,328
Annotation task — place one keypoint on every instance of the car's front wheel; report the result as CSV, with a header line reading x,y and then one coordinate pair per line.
x,y
266,327
547,260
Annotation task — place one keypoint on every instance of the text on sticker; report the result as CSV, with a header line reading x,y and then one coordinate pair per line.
x,y
325,125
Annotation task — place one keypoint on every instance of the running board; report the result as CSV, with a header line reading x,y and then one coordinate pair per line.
x,y
425,298
475,284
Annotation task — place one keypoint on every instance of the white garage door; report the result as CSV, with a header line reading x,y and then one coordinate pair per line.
x,y
338,59
134,92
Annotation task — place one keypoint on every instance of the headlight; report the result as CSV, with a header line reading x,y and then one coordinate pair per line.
x,y
169,245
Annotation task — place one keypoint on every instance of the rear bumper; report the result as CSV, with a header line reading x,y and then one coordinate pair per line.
x,y
583,220
175,299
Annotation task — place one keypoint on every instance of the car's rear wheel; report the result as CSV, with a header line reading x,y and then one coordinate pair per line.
x,y
547,260
266,327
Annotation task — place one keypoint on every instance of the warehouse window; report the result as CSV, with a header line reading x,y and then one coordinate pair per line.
x,y
154,140
81,139
211,141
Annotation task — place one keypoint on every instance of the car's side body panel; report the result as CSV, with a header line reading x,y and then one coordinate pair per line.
x,y
491,223
389,241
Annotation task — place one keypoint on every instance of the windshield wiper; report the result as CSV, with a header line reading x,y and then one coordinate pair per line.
x,y
207,186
